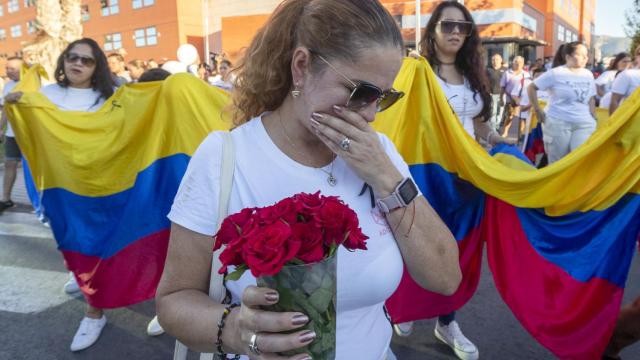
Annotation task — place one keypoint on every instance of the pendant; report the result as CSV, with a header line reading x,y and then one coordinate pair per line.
x,y
332,180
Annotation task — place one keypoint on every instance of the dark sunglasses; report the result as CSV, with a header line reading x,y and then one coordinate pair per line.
x,y
449,26
364,93
85,60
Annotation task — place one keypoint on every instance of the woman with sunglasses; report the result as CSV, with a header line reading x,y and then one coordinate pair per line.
x,y
83,83
451,44
304,103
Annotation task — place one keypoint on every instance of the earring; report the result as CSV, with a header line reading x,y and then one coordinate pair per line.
x,y
296,93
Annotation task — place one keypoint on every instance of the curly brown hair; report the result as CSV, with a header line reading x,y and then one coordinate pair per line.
x,y
338,29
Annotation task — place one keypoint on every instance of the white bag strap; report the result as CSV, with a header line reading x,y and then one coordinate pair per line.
x,y
217,291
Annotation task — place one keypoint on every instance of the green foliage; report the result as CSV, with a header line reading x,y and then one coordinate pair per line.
x,y
632,24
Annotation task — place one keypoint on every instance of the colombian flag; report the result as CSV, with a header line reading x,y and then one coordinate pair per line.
x,y
559,240
107,179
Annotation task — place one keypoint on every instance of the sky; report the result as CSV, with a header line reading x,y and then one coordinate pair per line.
x,y
610,16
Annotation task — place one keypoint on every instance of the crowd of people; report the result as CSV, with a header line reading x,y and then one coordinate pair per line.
x,y
304,103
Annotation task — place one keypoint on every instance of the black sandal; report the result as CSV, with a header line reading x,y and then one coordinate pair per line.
x,y
4,205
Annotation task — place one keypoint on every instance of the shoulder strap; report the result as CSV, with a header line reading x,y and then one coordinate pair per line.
x,y
216,286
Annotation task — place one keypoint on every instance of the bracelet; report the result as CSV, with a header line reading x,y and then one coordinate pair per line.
x,y
220,354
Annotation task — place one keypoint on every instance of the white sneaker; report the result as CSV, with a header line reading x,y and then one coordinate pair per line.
x,y
154,328
88,333
403,329
452,336
71,286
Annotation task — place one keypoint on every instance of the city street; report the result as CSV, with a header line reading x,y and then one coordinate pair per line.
x,y
38,319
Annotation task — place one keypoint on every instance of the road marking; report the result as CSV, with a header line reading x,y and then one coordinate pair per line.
x,y
25,291
21,224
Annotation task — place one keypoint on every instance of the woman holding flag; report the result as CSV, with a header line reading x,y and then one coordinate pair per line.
x,y
451,44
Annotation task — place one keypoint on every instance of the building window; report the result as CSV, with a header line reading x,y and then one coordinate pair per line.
x,y
567,35
109,7
146,37
560,32
31,26
13,6
137,4
16,31
29,3
1,10
84,13
112,42
3,34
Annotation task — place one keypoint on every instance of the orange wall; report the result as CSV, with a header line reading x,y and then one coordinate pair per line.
x,y
238,32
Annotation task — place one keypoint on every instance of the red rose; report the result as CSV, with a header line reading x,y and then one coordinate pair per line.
x,y
312,247
268,248
231,227
332,218
309,204
232,254
283,210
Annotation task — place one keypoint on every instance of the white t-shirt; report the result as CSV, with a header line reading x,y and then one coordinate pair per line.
x,y
5,91
510,80
264,175
606,79
605,101
73,99
524,99
569,93
458,96
626,82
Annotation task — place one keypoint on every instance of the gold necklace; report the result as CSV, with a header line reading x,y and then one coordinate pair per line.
x,y
331,179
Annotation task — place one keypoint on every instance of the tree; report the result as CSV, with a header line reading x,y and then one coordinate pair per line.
x,y
58,23
632,25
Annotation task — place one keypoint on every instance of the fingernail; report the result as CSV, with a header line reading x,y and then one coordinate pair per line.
x,y
299,319
317,116
337,108
314,122
307,358
271,296
307,336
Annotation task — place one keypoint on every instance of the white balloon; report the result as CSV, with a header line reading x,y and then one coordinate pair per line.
x,y
187,54
174,67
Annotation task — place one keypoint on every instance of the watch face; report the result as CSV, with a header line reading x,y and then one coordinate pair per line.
x,y
408,191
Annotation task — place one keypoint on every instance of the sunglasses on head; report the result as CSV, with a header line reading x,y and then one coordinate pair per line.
x,y
85,60
364,93
450,26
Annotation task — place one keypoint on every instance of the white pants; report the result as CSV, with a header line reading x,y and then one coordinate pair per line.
x,y
561,137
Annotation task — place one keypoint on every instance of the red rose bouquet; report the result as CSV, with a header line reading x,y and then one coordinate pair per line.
x,y
291,247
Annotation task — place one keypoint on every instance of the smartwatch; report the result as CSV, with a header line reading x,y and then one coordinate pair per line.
x,y
402,196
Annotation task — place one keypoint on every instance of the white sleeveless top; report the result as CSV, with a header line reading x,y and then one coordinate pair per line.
x,y
461,98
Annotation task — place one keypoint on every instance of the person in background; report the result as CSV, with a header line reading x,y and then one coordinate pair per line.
x,y
118,69
152,64
154,74
626,83
495,74
204,72
12,154
136,68
569,119
514,78
224,79
83,83
604,82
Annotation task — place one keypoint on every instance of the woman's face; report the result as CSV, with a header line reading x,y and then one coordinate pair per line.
x,y
579,58
224,70
446,41
323,90
79,65
624,63
135,72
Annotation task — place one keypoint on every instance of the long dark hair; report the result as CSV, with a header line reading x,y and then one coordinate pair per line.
x,y
469,59
614,64
565,50
101,79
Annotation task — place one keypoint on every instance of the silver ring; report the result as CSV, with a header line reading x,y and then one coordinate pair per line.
x,y
253,344
345,144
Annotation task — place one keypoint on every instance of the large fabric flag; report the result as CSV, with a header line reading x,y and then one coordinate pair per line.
x,y
107,179
559,240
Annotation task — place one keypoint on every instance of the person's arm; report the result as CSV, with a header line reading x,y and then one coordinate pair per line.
x,y
532,91
186,311
3,123
428,248
592,106
615,102
483,130
600,90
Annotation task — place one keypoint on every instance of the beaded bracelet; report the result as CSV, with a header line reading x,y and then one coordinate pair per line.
x,y
220,354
